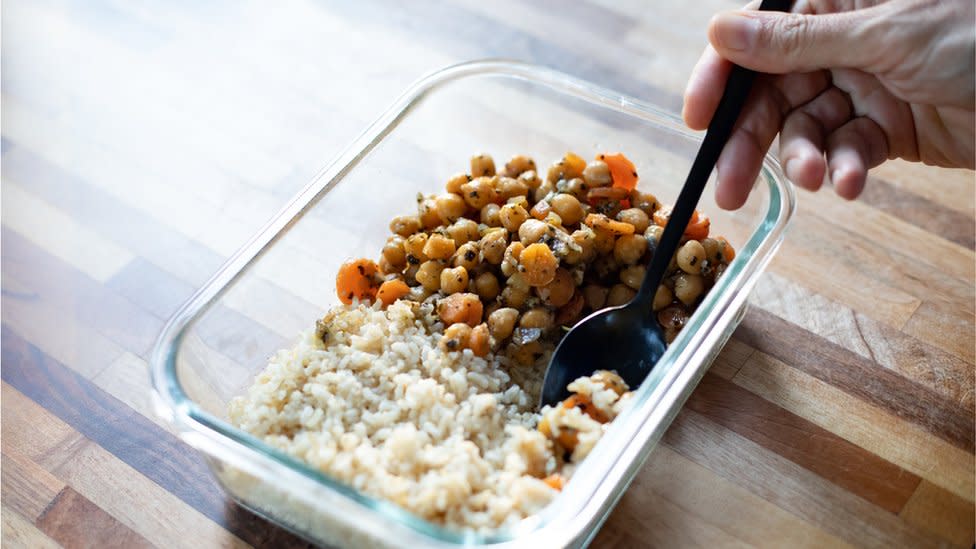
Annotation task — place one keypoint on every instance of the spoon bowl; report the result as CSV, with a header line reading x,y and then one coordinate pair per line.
x,y
626,338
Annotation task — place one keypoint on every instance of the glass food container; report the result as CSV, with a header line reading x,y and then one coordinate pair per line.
x,y
282,280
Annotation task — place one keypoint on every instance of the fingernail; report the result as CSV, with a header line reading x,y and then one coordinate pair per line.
x,y
788,168
736,31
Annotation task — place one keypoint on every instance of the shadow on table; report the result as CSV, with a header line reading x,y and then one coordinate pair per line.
x,y
258,531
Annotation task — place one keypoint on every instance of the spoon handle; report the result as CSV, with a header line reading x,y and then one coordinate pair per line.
x,y
719,129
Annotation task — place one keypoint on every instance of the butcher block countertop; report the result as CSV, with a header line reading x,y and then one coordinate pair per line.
x,y
143,143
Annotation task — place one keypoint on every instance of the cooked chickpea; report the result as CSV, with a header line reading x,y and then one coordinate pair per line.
x,y
454,280
567,207
605,267
538,264
662,298
633,276
405,225
482,164
646,202
726,253
520,201
711,247
455,182
629,248
414,246
463,231
486,286
512,216
439,247
532,231
543,190
556,172
489,215
429,275
539,317
530,178
456,337
466,256
585,238
427,213
653,234
619,295
597,174
558,292
595,296
603,241
635,217
690,257
519,282
511,259
478,193
502,322
570,255
394,253
385,267
553,220
514,297
687,287
450,207
493,246
576,187
511,188
518,165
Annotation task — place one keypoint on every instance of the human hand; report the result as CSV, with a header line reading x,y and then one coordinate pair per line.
x,y
854,81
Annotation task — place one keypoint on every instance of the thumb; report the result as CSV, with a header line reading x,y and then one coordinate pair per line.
x,y
779,43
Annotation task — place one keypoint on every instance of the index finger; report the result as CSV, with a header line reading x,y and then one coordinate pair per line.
x,y
705,88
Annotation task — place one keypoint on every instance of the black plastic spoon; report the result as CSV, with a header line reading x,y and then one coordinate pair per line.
x,y
628,338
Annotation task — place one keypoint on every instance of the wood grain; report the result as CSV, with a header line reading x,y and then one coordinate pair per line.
x,y
804,443
789,486
846,370
71,406
922,212
21,533
942,513
910,357
901,442
141,144
75,522
27,488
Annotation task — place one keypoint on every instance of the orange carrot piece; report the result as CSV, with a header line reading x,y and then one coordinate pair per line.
x,y
555,481
355,280
463,307
478,342
585,405
622,170
607,193
600,221
392,290
698,226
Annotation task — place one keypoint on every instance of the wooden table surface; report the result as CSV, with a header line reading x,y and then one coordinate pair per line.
x,y
144,142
